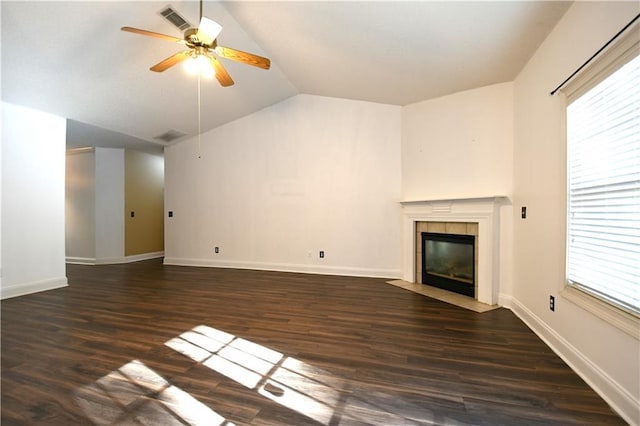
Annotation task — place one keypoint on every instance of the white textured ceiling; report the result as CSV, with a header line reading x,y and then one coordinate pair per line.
x,y
72,60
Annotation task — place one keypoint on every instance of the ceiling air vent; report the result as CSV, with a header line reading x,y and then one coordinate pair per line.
x,y
170,136
174,17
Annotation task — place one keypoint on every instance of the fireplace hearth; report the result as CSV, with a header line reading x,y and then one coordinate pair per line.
x,y
448,262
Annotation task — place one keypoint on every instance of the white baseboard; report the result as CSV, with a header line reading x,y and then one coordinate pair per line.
x,y
143,256
80,260
33,287
287,267
504,300
620,400
114,260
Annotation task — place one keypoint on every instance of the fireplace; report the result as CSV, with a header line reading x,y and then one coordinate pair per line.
x,y
448,262
479,217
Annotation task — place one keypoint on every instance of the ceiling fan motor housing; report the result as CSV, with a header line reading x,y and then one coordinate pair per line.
x,y
192,40
190,35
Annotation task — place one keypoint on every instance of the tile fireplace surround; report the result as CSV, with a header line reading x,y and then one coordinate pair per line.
x,y
485,211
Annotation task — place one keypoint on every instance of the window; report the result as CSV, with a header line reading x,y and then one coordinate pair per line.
x,y
603,168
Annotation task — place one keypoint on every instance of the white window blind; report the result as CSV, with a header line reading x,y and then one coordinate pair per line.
x,y
603,151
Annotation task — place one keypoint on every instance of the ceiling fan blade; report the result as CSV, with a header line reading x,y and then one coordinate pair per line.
x,y
152,34
208,30
244,57
171,61
221,73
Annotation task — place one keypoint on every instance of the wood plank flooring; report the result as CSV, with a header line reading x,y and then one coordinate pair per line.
x,y
147,344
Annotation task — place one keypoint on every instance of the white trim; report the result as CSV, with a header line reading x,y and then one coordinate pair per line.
x,y
109,260
608,61
81,260
457,199
626,322
504,300
143,256
621,401
33,287
286,267
114,260
80,150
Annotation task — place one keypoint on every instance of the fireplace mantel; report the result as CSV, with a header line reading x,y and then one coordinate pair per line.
x,y
485,211
487,199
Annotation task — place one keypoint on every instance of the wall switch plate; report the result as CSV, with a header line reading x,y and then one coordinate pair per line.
x,y
552,303
217,249
523,212
170,214
321,254
133,214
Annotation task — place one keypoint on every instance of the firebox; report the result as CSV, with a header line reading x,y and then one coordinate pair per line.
x,y
448,262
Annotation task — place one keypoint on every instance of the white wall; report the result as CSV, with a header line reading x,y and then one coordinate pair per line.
x,y
607,358
80,205
109,198
461,146
33,174
274,188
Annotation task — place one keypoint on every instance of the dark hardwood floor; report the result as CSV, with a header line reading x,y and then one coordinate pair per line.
x,y
147,344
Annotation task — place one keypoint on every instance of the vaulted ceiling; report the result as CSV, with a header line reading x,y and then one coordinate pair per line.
x,y
71,59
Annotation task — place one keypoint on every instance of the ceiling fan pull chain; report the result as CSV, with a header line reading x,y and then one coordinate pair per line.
x,y
199,120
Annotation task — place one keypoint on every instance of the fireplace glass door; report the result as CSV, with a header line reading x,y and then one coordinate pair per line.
x,y
448,262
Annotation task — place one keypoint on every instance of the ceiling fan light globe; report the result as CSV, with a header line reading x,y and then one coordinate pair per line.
x,y
204,67
191,66
199,65
207,72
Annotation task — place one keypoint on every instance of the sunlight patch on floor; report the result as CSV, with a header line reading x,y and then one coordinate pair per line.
x,y
297,401
247,360
235,372
136,393
287,381
188,408
194,352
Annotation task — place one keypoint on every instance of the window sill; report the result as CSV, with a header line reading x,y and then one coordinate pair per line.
x,y
625,321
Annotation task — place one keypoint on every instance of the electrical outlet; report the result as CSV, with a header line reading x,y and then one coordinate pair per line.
x,y
170,214
216,250
133,214
523,212
552,303
321,254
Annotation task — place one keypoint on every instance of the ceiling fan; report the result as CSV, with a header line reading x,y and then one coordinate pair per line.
x,y
202,44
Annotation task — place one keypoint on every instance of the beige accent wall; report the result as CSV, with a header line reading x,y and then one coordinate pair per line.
x,y
144,195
